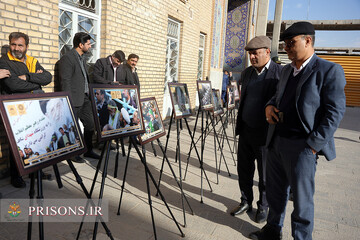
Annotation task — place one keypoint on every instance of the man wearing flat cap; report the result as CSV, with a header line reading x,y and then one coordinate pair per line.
x,y
303,114
258,86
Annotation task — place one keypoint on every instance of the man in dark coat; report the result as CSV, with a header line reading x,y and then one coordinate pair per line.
x,y
128,75
74,78
64,139
303,114
107,70
26,75
258,86
101,106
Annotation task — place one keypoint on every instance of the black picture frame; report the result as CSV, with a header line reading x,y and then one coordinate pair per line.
x,y
180,100
218,104
32,123
205,95
236,90
230,97
123,101
154,127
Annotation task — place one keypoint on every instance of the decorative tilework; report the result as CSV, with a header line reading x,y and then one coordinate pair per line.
x,y
236,38
218,28
224,35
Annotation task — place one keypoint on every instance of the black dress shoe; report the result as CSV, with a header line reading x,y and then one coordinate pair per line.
x,y
266,233
78,159
243,207
18,182
261,215
92,154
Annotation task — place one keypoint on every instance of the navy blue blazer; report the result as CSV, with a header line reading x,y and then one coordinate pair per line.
x,y
320,103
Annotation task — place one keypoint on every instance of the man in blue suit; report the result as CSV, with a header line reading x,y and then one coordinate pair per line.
x,y
303,115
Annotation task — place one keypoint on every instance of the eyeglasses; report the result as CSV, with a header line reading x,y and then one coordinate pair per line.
x,y
289,44
96,93
292,42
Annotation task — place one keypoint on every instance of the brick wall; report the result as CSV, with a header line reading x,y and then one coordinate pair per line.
x,y
134,26
140,27
38,19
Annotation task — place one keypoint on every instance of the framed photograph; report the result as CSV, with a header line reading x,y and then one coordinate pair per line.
x,y
41,128
117,111
205,95
236,90
180,99
218,105
230,93
154,127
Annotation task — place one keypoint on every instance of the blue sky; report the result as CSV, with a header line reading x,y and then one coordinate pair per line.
x,y
323,10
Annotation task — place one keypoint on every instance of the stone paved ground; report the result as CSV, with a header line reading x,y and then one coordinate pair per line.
x,y
337,206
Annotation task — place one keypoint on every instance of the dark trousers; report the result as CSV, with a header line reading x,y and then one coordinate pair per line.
x,y
248,152
291,163
13,169
85,114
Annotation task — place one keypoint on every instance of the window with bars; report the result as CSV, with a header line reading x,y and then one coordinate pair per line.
x,y
172,51
201,57
79,16
172,60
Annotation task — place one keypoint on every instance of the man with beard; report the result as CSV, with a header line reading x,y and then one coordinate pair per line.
x,y
128,74
101,106
26,75
74,78
113,122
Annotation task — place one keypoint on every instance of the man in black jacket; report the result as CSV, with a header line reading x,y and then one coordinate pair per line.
x,y
102,107
107,70
128,74
259,83
64,139
74,78
26,75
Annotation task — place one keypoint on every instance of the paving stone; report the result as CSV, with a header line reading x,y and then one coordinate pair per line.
x,y
337,208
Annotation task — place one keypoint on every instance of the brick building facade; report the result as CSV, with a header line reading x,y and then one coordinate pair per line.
x,y
174,38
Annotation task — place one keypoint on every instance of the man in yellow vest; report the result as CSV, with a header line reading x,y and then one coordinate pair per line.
x,y
26,76
26,73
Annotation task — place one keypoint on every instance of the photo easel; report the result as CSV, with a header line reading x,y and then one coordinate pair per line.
x,y
121,140
181,110
40,198
204,133
224,136
232,120
177,154
147,175
18,115
106,151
